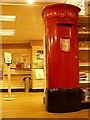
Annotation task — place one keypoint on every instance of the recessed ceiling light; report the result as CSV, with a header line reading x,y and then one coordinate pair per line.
x,y
30,1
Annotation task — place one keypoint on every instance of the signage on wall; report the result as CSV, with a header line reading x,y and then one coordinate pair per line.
x,y
7,58
39,73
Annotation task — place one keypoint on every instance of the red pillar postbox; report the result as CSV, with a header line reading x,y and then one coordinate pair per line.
x,y
62,64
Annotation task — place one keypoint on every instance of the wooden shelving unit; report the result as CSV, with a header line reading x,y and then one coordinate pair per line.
x,y
86,81
84,32
37,83
83,64
84,49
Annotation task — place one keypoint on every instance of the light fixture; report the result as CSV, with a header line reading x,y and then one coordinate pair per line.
x,y
7,18
30,1
7,32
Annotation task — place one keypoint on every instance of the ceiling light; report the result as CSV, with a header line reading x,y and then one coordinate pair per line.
x,y
7,18
30,1
7,32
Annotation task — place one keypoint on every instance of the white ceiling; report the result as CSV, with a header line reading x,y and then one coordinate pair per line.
x,y
29,23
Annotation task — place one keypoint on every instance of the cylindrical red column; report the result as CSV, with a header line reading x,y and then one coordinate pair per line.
x,y
62,64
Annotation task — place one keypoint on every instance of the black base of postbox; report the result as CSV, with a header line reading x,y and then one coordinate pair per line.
x,y
63,100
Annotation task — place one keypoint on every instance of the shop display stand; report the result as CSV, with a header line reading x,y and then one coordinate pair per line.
x,y
9,96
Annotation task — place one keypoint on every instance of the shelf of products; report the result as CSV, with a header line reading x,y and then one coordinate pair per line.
x,y
37,73
84,28
84,77
20,67
84,49
84,44
83,64
85,94
84,32
84,60
16,71
85,81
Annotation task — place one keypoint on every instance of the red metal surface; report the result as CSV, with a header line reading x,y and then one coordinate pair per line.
x,y
61,38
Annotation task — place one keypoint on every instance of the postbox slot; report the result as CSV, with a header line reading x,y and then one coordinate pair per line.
x,y
65,24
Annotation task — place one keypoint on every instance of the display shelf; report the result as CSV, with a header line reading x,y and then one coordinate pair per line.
x,y
21,69
18,72
86,101
84,28
84,32
84,81
83,19
84,48
84,35
87,79
83,64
